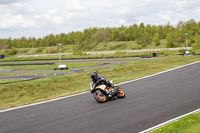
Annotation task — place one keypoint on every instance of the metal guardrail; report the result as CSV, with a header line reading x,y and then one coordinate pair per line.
x,y
111,52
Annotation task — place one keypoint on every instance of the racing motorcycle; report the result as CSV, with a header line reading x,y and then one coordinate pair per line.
x,y
103,93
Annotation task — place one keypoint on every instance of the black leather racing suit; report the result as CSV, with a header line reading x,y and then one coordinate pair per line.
x,y
98,81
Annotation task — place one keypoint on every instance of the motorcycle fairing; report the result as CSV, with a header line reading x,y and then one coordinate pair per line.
x,y
102,87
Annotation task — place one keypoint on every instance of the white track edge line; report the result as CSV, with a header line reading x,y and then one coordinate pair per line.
x,y
169,121
29,105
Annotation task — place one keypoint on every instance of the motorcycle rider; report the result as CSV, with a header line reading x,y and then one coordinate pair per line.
x,y
98,80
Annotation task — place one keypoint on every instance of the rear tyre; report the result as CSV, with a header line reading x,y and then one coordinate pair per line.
x,y
120,92
100,96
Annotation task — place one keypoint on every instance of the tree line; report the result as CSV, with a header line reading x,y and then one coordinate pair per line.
x,y
89,38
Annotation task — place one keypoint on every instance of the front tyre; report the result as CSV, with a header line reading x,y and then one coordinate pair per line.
x,y
120,92
100,96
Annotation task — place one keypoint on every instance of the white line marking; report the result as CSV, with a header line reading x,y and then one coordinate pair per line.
x,y
89,91
170,121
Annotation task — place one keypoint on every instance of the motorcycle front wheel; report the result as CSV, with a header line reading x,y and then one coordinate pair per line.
x,y
100,96
120,92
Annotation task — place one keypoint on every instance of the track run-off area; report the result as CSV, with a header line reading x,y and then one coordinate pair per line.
x,y
149,101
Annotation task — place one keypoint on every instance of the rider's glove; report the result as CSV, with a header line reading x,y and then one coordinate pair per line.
x,y
108,83
93,86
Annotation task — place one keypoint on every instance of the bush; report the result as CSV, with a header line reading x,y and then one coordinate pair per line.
x,y
12,51
182,51
39,50
136,47
24,51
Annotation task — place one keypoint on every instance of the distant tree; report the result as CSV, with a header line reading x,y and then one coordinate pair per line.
x,y
78,37
135,30
170,43
159,30
89,38
141,34
156,39
101,36
196,45
147,35
128,35
115,34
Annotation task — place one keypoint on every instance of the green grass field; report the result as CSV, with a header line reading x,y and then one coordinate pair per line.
x,y
188,124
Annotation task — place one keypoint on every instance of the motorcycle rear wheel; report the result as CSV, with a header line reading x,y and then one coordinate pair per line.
x,y
100,96
120,92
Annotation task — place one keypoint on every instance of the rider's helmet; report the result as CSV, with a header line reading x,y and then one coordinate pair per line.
x,y
93,75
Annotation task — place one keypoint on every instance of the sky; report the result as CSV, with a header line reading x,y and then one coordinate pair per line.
x,y
38,18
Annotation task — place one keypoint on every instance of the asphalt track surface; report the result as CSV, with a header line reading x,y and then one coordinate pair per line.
x,y
149,102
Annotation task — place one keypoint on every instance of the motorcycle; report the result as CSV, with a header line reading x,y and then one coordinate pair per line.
x,y
103,93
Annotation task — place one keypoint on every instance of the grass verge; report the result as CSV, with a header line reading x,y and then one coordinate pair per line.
x,y
188,124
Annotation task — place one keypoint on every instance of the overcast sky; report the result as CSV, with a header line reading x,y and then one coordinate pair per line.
x,y
38,18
